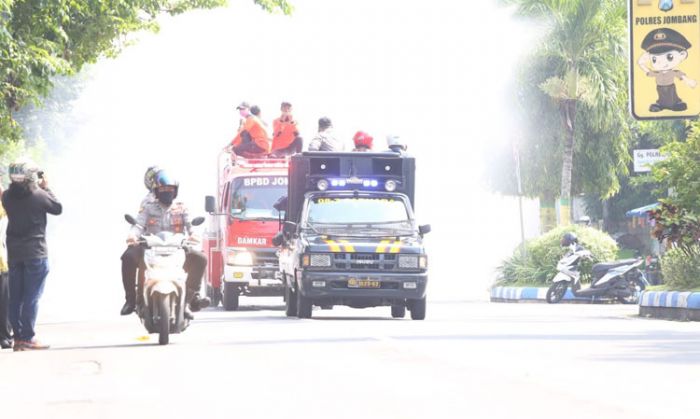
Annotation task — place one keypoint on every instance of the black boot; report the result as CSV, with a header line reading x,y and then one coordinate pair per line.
x,y
128,308
196,302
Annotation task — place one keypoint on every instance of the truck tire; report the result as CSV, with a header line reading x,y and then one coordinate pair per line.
x,y
398,311
230,299
418,309
214,295
304,306
290,300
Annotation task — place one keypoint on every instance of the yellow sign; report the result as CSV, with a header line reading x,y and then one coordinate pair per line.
x,y
665,58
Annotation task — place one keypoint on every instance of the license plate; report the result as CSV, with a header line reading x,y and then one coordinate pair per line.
x,y
363,283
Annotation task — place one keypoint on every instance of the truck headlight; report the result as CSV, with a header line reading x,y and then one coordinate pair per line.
x,y
239,258
413,262
317,260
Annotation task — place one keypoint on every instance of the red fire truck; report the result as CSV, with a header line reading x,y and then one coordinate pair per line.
x,y
243,220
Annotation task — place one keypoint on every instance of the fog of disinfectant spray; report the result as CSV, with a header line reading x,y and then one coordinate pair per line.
x,y
418,71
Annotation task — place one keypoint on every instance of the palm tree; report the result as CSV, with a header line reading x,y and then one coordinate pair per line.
x,y
585,42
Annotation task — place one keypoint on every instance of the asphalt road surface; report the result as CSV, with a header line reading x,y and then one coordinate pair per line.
x,y
467,359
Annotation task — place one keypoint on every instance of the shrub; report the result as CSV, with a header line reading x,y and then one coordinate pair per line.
x,y
681,268
543,253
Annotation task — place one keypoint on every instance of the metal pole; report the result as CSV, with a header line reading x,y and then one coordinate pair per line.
x,y
520,199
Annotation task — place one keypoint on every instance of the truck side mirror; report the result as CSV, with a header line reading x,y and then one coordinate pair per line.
x,y
278,239
424,229
210,204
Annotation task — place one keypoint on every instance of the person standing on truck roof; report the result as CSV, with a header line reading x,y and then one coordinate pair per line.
x,y
252,139
163,214
286,139
363,141
325,140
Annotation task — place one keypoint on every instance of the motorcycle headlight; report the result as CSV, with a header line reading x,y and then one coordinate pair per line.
x,y
317,260
239,258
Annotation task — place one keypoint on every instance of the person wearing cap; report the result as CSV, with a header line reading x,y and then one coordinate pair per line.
x,y
286,139
395,145
363,141
665,49
325,140
252,139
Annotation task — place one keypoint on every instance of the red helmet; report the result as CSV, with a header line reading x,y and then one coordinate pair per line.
x,y
362,139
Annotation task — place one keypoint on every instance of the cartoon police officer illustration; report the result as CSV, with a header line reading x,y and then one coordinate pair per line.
x,y
665,50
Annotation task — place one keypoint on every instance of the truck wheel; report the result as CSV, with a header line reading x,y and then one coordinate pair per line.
x,y
304,306
418,309
230,299
398,312
290,302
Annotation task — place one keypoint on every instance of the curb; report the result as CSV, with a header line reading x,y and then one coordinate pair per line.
x,y
535,295
672,305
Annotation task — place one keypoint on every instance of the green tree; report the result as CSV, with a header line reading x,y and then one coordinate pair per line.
x,y
41,39
584,58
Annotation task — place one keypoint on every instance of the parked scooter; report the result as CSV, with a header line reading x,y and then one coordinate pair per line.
x,y
621,280
161,305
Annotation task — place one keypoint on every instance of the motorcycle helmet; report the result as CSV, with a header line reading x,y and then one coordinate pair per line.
x,y
166,187
23,171
394,143
362,140
149,179
568,239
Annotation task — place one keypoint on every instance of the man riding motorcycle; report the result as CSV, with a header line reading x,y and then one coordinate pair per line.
x,y
162,214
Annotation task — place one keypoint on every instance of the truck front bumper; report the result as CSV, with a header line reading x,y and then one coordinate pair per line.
x,y
256,280
349,288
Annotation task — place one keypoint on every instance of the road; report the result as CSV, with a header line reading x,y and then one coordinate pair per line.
x,y
467,359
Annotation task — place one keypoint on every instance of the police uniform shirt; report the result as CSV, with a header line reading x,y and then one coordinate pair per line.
x,y
157,218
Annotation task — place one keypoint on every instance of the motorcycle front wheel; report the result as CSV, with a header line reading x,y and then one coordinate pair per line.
x,y
163,304
556,292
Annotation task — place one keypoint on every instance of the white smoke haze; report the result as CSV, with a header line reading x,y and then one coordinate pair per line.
x,y
436,73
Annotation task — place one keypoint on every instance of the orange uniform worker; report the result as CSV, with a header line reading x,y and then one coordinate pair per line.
x,y
252,138
286,139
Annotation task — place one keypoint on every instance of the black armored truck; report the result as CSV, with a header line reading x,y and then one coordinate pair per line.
x,y
349,235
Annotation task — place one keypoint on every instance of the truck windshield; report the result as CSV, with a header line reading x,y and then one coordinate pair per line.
x,y
358,210
253,197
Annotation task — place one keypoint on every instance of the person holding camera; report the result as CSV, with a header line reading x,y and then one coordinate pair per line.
x,y
27,201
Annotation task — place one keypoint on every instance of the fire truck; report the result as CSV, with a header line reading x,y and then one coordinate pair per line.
x,y
242,223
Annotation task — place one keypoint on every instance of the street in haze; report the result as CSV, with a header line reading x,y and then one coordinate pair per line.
x,y
467,359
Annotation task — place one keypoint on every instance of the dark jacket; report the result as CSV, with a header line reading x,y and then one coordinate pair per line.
x,y
26,215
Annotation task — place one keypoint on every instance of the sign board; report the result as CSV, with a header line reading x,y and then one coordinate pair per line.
x,y
644,159
664,58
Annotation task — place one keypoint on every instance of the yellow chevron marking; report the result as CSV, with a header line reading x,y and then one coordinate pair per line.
x,y
382,246
333,245
348,247
395,247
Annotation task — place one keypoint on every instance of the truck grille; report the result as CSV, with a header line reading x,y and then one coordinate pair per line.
x,y
265,257
365,261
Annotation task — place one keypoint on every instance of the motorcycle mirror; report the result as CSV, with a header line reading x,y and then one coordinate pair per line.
x,y
424,229
198,221
129,219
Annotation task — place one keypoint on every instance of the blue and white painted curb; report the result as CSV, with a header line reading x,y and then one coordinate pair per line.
x,y
532,294
675,305
673,299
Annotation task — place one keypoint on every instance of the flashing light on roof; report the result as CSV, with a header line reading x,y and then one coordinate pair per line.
x,y
322,185
390,185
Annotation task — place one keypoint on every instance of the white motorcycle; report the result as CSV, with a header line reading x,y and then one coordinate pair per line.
x,y
161,306
620,279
